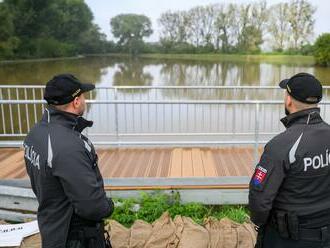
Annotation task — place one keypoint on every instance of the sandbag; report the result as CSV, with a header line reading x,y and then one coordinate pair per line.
x,y
191,234
229,234
32,242
119,234
247,235
163,233
183,232
140,234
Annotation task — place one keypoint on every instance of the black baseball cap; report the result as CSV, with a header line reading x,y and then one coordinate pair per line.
x,y
63,88
304,87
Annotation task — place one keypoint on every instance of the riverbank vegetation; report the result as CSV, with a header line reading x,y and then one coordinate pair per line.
x,y
64,28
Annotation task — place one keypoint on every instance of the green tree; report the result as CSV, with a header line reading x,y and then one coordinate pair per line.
x,y
8,42
322,50
52,28
301,22
278,26
130,29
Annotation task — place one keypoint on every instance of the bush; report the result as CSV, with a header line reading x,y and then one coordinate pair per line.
x,y
322,50
53,48
8,47
151,206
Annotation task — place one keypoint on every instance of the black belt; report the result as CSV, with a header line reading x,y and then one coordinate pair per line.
x,y
309,234
315,234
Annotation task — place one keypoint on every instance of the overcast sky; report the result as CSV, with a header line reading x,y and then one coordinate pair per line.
x,y
104,10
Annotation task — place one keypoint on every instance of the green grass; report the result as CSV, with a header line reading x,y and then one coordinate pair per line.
x,y
152,206
212,57
267,58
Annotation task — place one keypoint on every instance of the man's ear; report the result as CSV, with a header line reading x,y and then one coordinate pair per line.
x,y
76,102
289,100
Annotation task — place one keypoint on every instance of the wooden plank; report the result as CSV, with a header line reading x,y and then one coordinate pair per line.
x,y
155,163
10,164
122,157
165,165
4,153
232,156
142,164
176,163
101,156
151,156
127,163
221,166
160,164
107,162
9,159
20,172
197,162
246,167
130,168
209,163
187,165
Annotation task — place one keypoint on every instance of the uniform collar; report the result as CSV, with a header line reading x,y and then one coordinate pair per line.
x,y
307,116
72,121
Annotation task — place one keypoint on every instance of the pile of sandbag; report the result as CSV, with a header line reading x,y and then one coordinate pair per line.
x,y
182,232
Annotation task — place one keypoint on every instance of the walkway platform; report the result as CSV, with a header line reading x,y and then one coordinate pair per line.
x,y
152,163
205,175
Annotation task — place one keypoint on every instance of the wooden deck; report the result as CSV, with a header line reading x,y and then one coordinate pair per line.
x,y
152,163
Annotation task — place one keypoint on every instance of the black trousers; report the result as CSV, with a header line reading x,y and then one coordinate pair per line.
x,y
272,239
75,244
82,239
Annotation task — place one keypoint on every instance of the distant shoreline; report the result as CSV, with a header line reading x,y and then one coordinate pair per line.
x,y
271,58
39,59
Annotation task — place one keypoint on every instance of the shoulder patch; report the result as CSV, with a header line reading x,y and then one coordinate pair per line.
x,y
259,175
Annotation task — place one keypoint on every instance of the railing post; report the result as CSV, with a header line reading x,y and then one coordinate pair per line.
x,y
116,117
256,134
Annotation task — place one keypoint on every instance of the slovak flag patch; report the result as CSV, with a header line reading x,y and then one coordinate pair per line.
x,y
259,175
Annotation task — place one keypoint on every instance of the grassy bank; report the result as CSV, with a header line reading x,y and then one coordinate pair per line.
x,y
243,58
151,206
267,58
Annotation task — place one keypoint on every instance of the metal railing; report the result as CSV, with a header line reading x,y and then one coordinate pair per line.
x,y
35,92
148,121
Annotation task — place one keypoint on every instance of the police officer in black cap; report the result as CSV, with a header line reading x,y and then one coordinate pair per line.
x,y
62,165
289,196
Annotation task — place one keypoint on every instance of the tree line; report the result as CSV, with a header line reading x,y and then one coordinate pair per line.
x,y
286,27
241,27
59,28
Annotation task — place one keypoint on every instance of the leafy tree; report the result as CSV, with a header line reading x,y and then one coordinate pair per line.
x,y
8,42
278,26
301,22
322,49
52,28
130,29
225,26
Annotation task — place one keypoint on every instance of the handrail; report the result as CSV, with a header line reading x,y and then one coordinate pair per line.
x,y
159,87
160,102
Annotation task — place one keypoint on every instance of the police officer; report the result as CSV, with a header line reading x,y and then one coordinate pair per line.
x,y
289,195
62,165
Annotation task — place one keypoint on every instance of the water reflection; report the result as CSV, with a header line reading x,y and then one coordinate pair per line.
x,y
124,71
131,73
39,72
